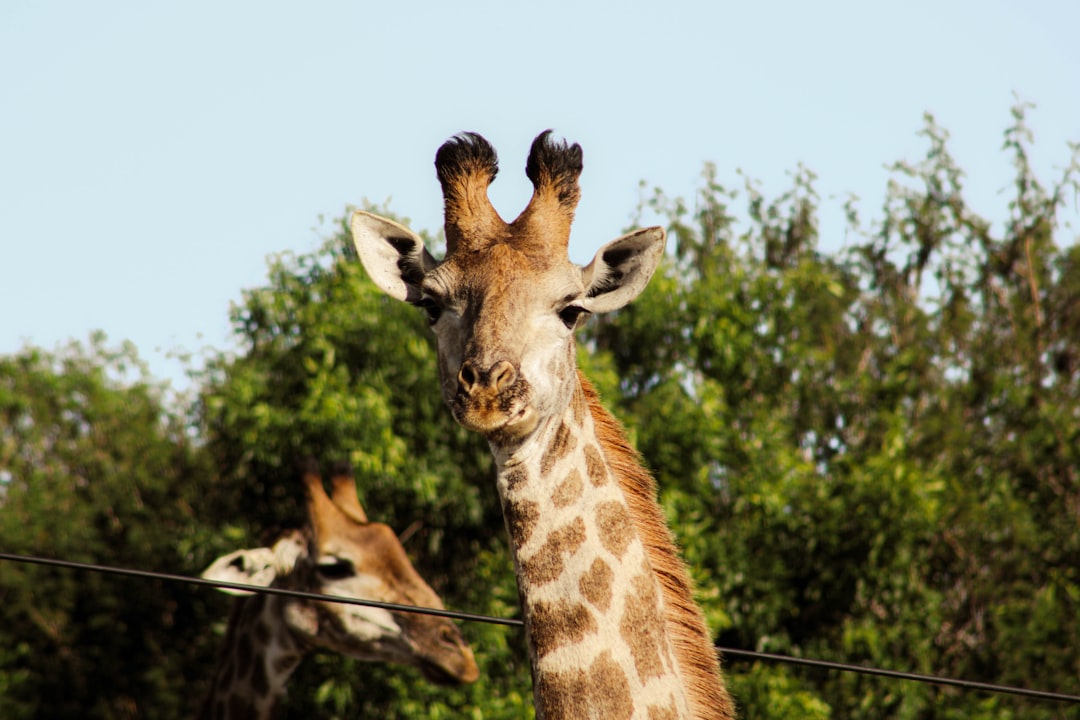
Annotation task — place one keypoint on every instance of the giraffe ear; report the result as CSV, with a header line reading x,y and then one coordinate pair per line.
x,y
393,255
622,269
257,566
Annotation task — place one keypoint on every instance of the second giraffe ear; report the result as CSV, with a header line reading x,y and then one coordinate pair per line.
x,y
393,255
256,566
622,269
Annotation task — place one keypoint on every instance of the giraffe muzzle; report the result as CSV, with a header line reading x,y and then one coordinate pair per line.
x,y
493,399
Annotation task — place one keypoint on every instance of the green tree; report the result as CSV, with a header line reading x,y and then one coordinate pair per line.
x,y
95,468
870,455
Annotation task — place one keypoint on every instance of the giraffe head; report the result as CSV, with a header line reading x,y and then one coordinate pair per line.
x,y
342,553
505,300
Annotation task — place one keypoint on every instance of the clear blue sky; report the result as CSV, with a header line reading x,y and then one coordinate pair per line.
x,y
153,154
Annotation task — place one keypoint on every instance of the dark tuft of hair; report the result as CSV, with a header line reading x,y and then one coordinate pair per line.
x,y
341,468
466,153
556,162
306,465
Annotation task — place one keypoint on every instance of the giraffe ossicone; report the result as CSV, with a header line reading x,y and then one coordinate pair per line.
x,y
612,626
339,553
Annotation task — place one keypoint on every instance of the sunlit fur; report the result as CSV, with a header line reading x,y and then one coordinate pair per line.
x,y
685,623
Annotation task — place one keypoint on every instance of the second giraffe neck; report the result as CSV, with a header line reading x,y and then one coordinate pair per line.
x,y
594,609
258,658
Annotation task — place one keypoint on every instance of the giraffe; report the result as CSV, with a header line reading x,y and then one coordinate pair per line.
x,y
339,553
613,630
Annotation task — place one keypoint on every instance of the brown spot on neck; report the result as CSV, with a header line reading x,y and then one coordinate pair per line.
x,y
616,530
568,491
596,583
521,518
561,445
547,562
553,625
595,467
664,712
516,477
640,628
579,406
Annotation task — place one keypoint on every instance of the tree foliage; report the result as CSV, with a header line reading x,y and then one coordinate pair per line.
x,y
869,454
873,453
93,468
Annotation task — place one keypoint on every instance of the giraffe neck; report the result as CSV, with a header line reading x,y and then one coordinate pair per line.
x,y
259,656
599,636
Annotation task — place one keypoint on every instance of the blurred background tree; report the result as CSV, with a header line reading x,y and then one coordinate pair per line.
x,y
869,454
94,468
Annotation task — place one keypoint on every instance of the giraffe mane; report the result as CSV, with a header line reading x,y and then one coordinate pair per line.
x,y
691,642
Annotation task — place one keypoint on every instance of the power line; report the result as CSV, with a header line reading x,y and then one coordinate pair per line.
x,y
901,675
513,622
147,574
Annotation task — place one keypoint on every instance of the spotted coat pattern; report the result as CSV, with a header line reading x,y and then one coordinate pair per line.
x,y
255,663
584,575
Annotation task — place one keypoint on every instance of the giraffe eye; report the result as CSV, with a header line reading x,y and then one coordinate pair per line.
x,y
432,308
448,636
570,315
335,569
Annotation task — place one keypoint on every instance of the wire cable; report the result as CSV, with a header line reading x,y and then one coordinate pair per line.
x,y
514,622
147,574
901,675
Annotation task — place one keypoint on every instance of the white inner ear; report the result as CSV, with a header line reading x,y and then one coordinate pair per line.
x,y
622,269
374,239
257,566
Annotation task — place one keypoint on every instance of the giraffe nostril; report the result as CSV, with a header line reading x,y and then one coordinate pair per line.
x,y
498,377
466,376
503,375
